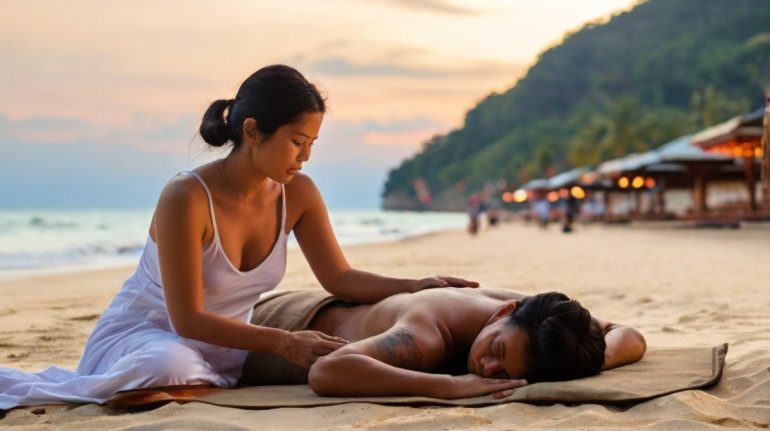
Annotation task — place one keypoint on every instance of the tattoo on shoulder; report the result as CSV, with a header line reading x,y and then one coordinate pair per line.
x,y
399,349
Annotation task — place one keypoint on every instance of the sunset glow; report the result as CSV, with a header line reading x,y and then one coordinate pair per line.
x,y
138,75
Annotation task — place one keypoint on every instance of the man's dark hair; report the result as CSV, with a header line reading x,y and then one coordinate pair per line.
x,y
565,342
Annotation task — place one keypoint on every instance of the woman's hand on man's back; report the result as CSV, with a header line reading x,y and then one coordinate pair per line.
x,y
443,281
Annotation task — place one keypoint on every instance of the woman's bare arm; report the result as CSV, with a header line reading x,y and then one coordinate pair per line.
x,y
319,245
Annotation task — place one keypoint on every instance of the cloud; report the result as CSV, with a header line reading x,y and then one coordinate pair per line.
x,y
142,131
339,66
389,142
46,129
127,166
343,67
438,6
398,138
350,169
85,175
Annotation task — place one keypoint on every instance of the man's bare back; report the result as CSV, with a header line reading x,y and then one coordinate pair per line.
x,y
451,318
357,322
441,343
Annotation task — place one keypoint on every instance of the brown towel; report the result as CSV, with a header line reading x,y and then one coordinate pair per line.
x,y
292,311
660,372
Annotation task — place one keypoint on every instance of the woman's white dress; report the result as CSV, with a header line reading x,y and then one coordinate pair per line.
x,y
134,344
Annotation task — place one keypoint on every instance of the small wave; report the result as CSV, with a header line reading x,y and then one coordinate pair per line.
x,y
130,249
40,222
73,255
46,239
372,222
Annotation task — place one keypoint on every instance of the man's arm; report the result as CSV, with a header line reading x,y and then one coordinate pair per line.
x,y
395,363
624,344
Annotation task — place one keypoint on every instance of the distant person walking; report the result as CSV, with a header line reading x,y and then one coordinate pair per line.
x,y
542,209
570,212
474,211
493,211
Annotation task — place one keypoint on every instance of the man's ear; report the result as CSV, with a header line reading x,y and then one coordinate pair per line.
x,y
506,309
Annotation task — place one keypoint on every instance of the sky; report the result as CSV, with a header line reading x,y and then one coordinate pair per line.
x,y
100,101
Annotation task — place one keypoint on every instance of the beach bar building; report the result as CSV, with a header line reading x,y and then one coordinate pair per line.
x,y
713,174
741,139
682,165
578,183
630,182
677,171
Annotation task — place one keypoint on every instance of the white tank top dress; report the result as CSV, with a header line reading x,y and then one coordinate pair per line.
x,y
134,344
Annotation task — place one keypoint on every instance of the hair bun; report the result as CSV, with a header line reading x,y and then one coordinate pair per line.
x,y
215,129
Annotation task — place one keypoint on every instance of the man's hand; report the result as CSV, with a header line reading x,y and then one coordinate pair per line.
x,y
305,347
471,385
443,281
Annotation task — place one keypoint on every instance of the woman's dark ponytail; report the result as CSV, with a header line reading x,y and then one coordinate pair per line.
x,y
273,96
214,127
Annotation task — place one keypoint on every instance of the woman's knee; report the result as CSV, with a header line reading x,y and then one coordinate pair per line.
x,y
171,364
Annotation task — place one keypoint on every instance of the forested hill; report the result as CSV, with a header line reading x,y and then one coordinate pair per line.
x,y
663,69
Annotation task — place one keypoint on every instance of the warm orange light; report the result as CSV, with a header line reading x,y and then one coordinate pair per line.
x,y
553,196
649,182
737,152
577,192
588,178
520,196
623,182
507,197
563,193
638,182
758,152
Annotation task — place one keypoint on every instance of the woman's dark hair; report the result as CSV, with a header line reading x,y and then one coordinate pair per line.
x,y
565,342
273,96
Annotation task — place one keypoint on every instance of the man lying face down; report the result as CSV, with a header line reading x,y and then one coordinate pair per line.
x,y
455,343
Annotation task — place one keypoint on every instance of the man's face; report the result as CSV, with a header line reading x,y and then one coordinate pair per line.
x,y
500,351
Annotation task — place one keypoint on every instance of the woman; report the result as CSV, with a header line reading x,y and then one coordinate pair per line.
x,y
217,241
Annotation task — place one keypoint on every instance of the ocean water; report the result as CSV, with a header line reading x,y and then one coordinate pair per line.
x,y
65,240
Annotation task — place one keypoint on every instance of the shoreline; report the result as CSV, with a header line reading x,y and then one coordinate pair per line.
x,y
8,275
680,287
389,225
121,263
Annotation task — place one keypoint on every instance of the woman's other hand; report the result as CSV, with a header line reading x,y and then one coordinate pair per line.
x,y
443,281
305,347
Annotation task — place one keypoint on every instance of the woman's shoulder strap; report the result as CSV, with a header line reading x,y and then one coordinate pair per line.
x,y
211,199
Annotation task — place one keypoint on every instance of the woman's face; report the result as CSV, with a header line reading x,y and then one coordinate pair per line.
x,y
499,351
282,155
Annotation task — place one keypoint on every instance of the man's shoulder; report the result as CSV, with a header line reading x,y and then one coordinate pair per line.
x,y
438,296
501,294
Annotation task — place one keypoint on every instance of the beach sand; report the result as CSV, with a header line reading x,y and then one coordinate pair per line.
x,y
680,287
